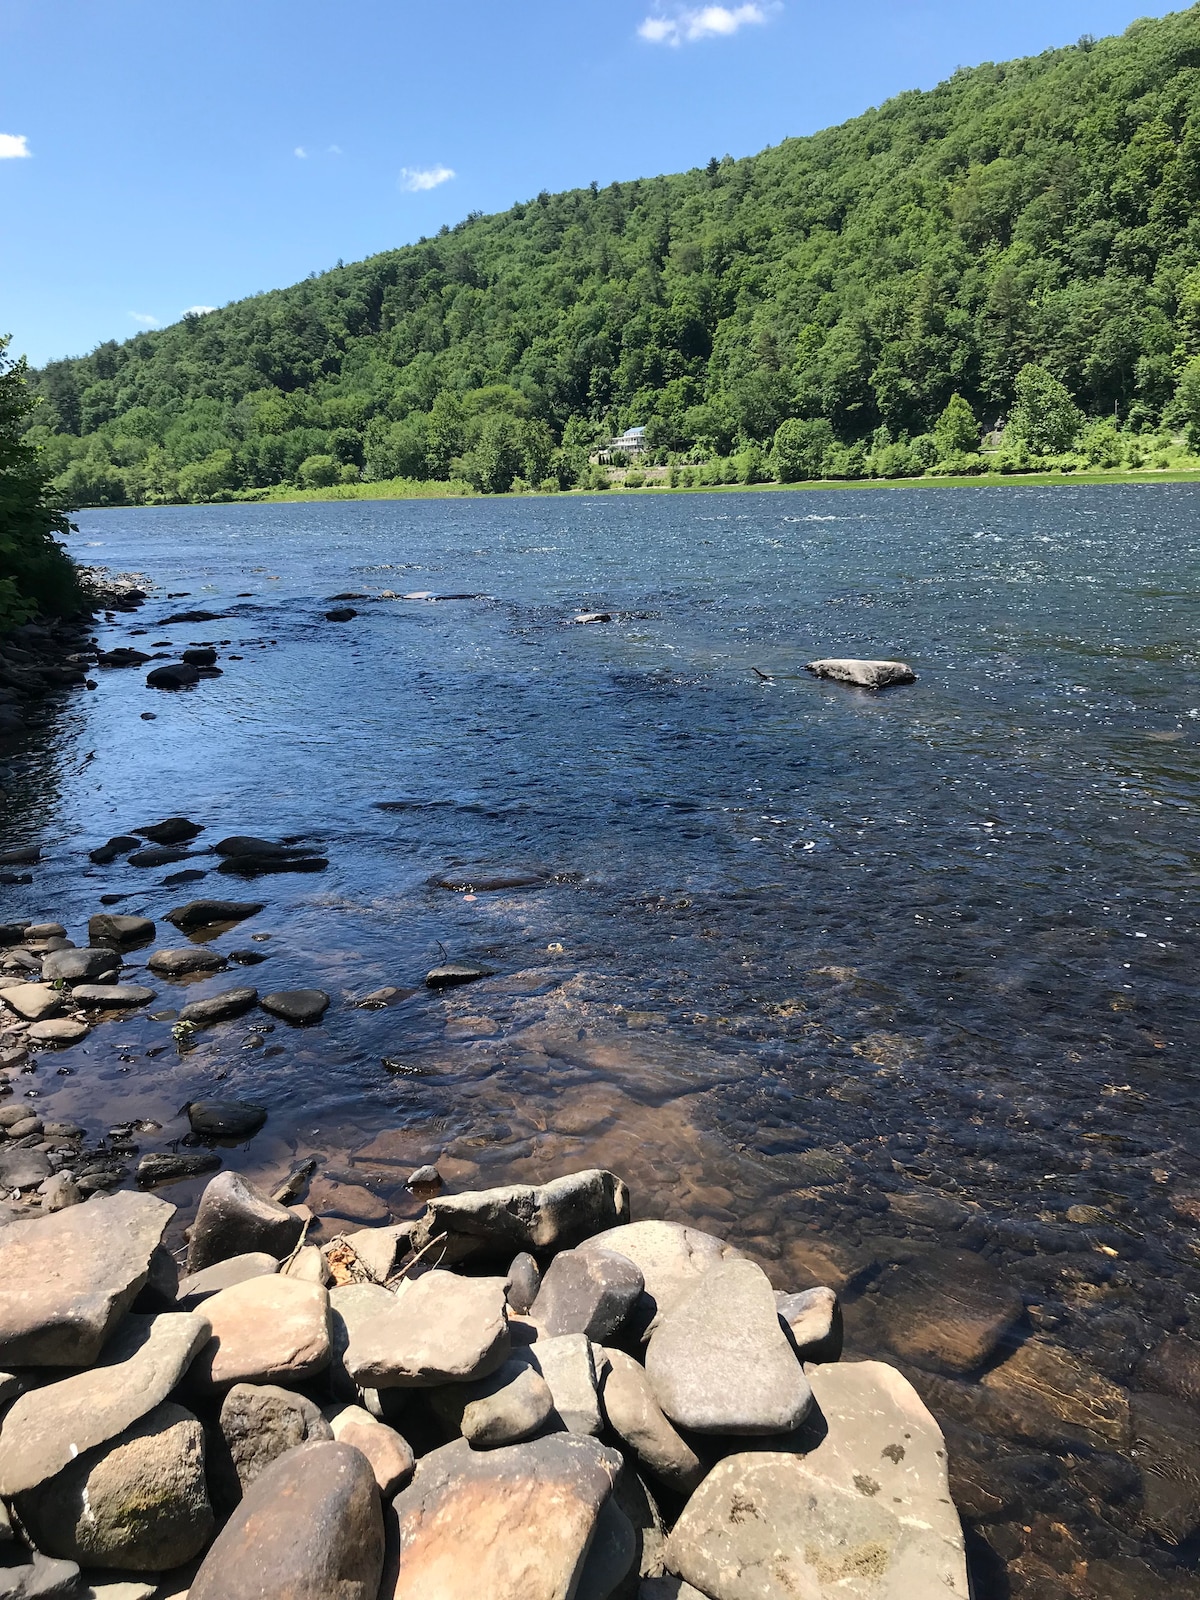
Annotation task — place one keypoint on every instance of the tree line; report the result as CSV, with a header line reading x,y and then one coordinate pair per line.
x,y
1013,256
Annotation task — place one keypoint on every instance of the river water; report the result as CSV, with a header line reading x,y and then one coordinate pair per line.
x,y
897,991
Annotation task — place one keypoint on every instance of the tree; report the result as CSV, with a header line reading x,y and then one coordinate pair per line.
x,y
36,575
956,430
1187,398
1045,418
800,448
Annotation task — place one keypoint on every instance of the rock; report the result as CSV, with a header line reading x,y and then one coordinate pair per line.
x,y
1165,1447
192,958
297,1006
139,1502
175,675
1048,1396
35,932
41,1578
225,1119
329,1198
191,616
390,1455
668,1589
219,1007
524,1516
48,1427
866,1511
167,1167
341,614
947,1310
389,995
111,996
568,1364
122,656
246,844
57,1031
427,1177
33,1001
122,932
11,933
59,1192
255,866
200,656
440,1329
814,1320
265,1330
103,855
589,1292
352,1306
523,1282
309,1528
173,830
381,1250
451,973
863,674
671,1258
21,1169
584,617
80,966
123,1589
233,1218
248,958
512,1405
635,1414
554,1216
198,1286
611,1558
206,913
159,855
720,1363
260,1422
307,1264
67,1279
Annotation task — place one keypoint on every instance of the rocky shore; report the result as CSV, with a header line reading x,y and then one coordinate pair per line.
x,y
525,1393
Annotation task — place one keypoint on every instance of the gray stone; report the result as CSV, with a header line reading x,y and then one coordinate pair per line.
x,y
233,1219
814,1321
192,958
440,1329
719,1362
41,1578
225,1119
867,1511
238,1269
173,675
172,830
499,1222
139,1503
862,674
80,966
33,1001
672,1259
219,1007
211,913
611,1557
57,1031
635,1415
260,1422
390,1454
668,1588
310,1528
427,1177
58,1192
352,1306
265,1330
109,928
452,973
380,1250
523,1282
167,1167
568,1364
111,996
48,1427
21,1169
66,1279
589,1292
524,1515
297,1006
513,1404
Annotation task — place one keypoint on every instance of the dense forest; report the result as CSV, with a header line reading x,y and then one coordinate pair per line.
x,y
1015,253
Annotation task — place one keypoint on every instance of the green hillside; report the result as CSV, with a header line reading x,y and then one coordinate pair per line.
x,y
1038,216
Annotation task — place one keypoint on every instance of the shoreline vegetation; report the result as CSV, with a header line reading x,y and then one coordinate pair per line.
x,y
922,293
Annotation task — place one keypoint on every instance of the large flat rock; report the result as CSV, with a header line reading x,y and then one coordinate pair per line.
x,y
508,1524
865,1515
66,1279
498,1223
440,1328
265,1330
720,1362
309,1528
671,1258
48,1427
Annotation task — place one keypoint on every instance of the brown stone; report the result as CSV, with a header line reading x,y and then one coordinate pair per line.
x,y
266,1330
440,1328
945,1309
1047,1395
390,1454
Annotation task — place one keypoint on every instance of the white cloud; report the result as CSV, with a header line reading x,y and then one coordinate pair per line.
x,y
334,150
13,146
416,180
144,319
301,152
689,23
198,311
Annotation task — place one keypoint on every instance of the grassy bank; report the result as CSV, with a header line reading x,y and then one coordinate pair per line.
x,y
410,489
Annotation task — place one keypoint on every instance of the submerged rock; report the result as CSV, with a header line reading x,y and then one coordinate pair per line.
x,y
109,928
862,674
191,958
166,1166
298,1006
210,913
172,830
225,1119
219,1007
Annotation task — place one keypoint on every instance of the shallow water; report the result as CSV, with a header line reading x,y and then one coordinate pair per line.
x,y
883,987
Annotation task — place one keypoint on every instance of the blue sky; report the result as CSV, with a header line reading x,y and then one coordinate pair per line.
x,y
189,153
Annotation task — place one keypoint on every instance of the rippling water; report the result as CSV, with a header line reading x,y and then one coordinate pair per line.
x,y
898,991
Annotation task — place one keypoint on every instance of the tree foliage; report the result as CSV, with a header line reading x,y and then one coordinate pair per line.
x,y
894,273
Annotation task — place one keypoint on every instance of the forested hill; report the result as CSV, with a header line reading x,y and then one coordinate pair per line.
x,y
1039,211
